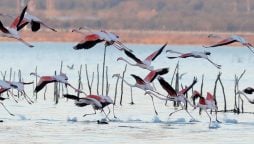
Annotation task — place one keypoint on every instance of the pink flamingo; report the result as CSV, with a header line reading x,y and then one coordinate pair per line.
x,y
44,80
13,30
145,64
206,103
94,38
98,102
145,84
194,54
173,95
232,39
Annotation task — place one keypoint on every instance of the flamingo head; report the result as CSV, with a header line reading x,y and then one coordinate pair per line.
x,y
248,44
120,58
63,76
195,95
207,53
116,75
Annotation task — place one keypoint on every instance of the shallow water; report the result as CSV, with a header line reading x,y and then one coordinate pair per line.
x,y
45,122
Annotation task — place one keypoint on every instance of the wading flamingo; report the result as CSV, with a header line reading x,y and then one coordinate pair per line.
x,y
145,84
173,95
194,54
145,64
232,39
19,86
247,92
13,30
98,102
206,103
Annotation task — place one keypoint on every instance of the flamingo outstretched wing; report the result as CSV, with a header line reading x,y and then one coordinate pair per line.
x,y
18,20
155,54
138,79
167,87
132,56
185,90
223,42
44,80
3,29
153,74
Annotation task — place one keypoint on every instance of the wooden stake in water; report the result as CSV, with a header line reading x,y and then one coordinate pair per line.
x,y
98,79
107,84
117,80
79,79
88,80
103,69
121,98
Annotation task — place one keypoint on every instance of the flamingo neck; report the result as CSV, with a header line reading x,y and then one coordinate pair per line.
x,y
125,81
128,62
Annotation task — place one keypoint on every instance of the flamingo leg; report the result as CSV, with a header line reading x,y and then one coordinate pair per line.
x,y
105,114
154,106
114,111
24,42
218,66
28,99
12,95
90,113
209,118
175,112
6,109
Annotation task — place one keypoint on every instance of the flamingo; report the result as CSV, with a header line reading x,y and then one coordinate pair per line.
x,y
5,87
145,84
243,93
206,103
194,54
248,90
232,39
94,38
145,64
44,80
19,86
13,30
173,95
98,102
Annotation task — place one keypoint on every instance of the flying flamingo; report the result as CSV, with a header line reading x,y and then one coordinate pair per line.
x,y
44,80
145,84
194,54
94,38
98,102
206,103
145,64
13,30
232,39
173,95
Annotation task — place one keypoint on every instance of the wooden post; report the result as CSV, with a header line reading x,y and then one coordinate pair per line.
x,y
98,79
121,98
79,79
103,69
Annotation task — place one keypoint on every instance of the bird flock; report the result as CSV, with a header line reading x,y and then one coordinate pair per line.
x,y
99,102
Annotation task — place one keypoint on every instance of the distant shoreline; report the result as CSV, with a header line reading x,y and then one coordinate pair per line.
x,y
133,36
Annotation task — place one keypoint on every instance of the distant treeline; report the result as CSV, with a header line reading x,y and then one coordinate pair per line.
x,y
175,15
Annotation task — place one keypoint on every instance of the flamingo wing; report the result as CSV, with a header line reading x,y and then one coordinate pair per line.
x,y
43,82
48,26
16,23
153,74
185,90
87,101
155,54
167,87
88,42
2,90
3,29
73,97
209,97
132,56
139,80
186,55
223,42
